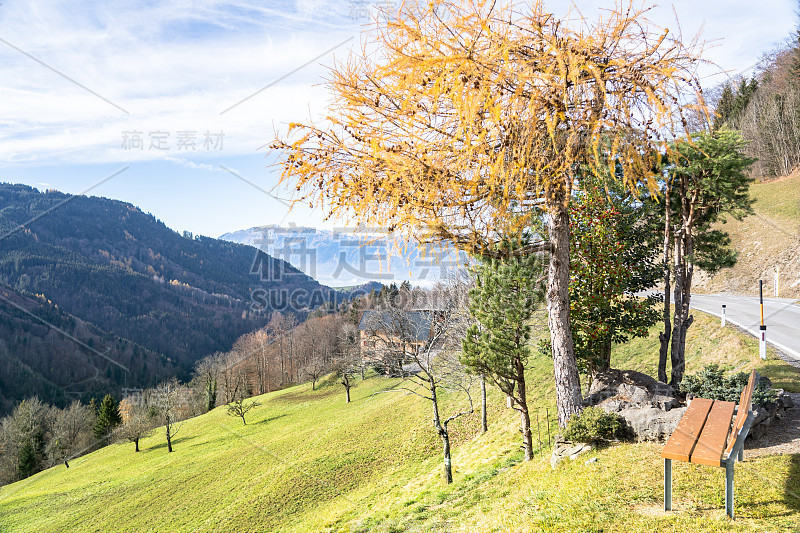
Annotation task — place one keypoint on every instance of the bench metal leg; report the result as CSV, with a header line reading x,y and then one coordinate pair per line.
x,y
667,484
729,487
741,453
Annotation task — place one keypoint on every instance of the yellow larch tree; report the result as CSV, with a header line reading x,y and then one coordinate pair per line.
x,y
459,121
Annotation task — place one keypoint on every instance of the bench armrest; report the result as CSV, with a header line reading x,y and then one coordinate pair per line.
x,y
738,445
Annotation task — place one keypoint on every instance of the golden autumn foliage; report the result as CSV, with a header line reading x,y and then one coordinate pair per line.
x,y
459,117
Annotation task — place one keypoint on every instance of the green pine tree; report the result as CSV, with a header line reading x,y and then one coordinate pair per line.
x,y
707,181
108,418
503,303
733,103
724,108
28,460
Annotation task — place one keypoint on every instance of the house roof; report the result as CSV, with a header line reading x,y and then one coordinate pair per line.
x,y
414,325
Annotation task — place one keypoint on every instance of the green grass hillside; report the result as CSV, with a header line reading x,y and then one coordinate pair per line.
x,y
306,461
765,240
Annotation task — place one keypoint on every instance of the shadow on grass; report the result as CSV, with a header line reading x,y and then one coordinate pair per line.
x,y
303,396
270,419
176,442
782,374
792,489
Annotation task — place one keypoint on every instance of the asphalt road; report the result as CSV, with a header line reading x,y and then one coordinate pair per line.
x,y
781,316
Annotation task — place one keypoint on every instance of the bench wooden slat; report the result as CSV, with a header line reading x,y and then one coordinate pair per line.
x,y
681,443
744,407
711,442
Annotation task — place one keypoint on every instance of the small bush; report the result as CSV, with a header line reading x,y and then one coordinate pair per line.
x,y
711,383
593,425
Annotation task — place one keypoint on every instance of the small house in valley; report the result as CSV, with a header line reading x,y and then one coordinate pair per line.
x,y
390,338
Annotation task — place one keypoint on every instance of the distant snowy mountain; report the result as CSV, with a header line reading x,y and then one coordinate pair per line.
x,y
345,258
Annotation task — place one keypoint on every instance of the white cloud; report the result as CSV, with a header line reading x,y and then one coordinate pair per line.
x,y
191,164
172,66
175,66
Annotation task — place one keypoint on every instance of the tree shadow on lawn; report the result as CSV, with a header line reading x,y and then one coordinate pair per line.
x,y
270,419
175,442
304,396
792,488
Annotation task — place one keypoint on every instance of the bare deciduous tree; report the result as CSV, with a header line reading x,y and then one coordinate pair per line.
x,y
71,432
167,402
281,326
138,419
207,373
315,368
434,368
346,368
239,408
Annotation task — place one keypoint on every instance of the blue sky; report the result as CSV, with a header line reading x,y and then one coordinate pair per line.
x,y
88,88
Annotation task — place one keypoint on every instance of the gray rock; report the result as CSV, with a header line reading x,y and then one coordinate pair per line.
x,y
650,410
567,450
651,423
765,416
616,390
783,399
590,461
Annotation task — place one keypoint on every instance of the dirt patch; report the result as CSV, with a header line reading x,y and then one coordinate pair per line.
x,y
652,510
783,437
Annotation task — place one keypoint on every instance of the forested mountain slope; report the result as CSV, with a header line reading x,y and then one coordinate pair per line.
x,y
47,353
124,273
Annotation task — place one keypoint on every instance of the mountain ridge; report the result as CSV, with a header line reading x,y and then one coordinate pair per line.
x,y
113,267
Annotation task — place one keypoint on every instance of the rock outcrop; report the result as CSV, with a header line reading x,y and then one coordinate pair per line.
x,y
615,390
650,409
764,417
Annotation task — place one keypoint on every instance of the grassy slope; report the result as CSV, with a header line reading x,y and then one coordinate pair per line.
x,y
308,462
768,238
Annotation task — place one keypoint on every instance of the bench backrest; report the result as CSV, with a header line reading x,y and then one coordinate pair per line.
x,y
744,409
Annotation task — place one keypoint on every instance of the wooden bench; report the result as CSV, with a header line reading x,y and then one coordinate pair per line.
x,y
704,435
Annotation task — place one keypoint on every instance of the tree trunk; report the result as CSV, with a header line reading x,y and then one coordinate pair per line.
x,y
605,358
136,442
525,419
664,336
682,315
448,466
484,422
527,437
347,394
283,371
683,288
444,435
169,442
565,368
677,363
